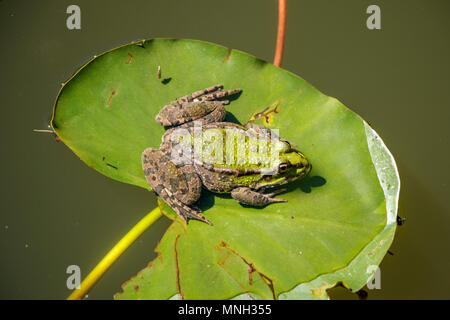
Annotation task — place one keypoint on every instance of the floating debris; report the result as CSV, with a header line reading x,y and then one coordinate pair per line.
x,y
57,139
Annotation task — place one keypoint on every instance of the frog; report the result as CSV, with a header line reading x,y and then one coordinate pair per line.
x,y
178,174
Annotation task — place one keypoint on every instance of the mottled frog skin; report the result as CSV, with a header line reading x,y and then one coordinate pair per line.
x,y
177,174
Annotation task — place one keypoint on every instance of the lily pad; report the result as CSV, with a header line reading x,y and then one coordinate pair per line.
x,y
337,222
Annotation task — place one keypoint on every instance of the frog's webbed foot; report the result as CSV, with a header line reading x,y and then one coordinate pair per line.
x,y
184,211
254,198
204,104
208,94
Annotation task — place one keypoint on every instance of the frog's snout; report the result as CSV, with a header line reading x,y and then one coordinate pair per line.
x,y
304,166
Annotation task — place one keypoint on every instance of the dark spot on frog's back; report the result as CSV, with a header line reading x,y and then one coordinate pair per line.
x,y
166,81
175,183
150,172
184,190
207,178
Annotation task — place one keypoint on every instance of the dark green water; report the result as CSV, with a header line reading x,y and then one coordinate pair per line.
x,y
56,211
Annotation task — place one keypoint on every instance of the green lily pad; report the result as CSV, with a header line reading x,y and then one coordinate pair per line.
x,y
337,222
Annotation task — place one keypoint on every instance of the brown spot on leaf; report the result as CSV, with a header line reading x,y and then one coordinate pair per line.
x,y
227,57
321,291
136,288
177,268
250,274
111,95
379,244
130,58
221,263
267,113
251,270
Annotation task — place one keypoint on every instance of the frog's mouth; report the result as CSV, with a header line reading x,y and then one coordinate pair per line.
x,y
304,168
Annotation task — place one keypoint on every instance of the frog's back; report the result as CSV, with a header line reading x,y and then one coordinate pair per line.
x,y
232,146
230,153
228,157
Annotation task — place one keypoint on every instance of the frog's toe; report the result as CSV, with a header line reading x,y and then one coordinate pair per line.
x,y
273,200
219,94
188,212
196,216
271,195
196,208
274,193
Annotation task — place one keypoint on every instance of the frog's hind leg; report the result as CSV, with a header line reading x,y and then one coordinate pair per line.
x,y
217,95
216,115
253,198
174,115
196,94
179,187
201,104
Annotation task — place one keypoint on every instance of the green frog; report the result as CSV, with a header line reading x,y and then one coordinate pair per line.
x,y
200,150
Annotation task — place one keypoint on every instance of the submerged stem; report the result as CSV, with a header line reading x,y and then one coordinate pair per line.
x,y
114,254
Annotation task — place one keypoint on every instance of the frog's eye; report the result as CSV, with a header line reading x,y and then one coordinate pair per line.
x,y
283,167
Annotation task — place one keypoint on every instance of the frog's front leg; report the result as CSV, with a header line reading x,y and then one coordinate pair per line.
x,y
254,198
203,104
179,187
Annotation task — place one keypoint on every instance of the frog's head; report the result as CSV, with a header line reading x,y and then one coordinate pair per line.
x,y
291,165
